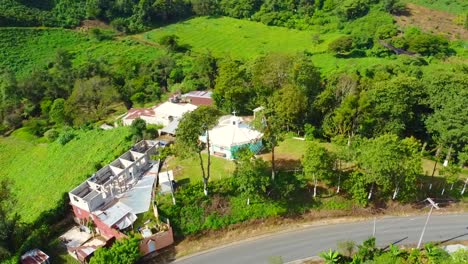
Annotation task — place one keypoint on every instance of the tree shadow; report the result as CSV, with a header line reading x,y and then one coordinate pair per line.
x,y
452,238
287,164
166,255
396,242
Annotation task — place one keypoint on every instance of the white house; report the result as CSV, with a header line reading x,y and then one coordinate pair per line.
x,y
231,134
162,114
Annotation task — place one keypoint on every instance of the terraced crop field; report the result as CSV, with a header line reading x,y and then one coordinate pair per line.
x,y
240,38
42,172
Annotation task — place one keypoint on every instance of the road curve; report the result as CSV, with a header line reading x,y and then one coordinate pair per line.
x,y
311,241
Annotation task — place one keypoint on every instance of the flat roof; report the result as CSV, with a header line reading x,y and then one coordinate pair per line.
x,y
113,214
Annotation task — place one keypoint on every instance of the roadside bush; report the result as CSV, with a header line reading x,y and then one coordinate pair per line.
x,y
195,212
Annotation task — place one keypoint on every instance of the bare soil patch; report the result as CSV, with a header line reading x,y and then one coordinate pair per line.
x,y
434,21
88,24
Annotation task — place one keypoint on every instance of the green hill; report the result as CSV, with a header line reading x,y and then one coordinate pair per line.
x,y
23,49
43,172
241,38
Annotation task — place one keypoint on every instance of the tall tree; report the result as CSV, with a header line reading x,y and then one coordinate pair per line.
x,y
318,164
388,162
91,100
191,127
232,92
250,174
267,122
448,125
290,106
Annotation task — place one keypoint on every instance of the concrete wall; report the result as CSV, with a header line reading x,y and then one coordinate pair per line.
x,y
80,214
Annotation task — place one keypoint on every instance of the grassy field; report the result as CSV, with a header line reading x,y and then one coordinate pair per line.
x,y
43,172
189,171
451,6
243,39
23,49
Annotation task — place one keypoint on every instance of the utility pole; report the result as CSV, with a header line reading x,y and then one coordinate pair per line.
x,y
373,232
433,205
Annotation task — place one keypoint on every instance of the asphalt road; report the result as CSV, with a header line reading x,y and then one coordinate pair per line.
x,y
311,241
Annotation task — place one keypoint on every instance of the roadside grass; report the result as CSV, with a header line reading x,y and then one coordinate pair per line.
x,y
240,39
188,170
452,6
23,49
43,172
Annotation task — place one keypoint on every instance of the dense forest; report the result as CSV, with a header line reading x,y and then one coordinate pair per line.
x,y
414,103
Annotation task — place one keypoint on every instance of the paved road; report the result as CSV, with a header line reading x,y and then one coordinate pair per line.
x,y
313,240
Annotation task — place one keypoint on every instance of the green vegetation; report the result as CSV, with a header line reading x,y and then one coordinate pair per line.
x,y
367,252
240,39
125,251
25,49
332,71
43,172
187,170
452,6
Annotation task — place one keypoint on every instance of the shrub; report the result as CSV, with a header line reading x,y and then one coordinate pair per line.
x,y
51,135
341,45
66,136
427,44
352,9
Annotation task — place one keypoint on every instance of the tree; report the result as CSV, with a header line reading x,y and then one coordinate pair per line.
x,y
388,162
451,174
205,7
250,174
161,69
125,251
318,164
269,124
57,111
269,74
352,9
231,91
191,127
393,6
290,106
449,122
91,100
396,106
137,129
171,42
239,8
341,45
